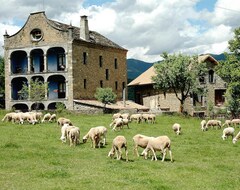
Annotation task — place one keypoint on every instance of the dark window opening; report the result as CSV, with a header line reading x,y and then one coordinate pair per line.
x,y
100,61
219,97
84,58
61,90
101,83
107,74
211,76
85,83
116,85
115,63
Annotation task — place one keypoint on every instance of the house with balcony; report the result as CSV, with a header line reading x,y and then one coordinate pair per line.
x,y
155,99
73,61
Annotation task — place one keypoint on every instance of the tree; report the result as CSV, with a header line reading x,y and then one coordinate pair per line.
x,y
229,71
105,95
35,91
179,73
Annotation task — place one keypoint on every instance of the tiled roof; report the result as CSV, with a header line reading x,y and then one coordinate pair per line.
x,y
95,37
146,77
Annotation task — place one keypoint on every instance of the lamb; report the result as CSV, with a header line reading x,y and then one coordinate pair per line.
x,y
8,116
46,117
140,140
176,128
118,143
74,136
161,143
235,122
137,117
214,123
229,131
96,134
235,139
52,118
203,125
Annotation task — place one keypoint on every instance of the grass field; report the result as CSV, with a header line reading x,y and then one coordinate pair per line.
x,y
33,157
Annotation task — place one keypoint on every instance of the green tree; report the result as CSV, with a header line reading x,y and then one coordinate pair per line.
x,y
179,73
229,71
35,91
105,95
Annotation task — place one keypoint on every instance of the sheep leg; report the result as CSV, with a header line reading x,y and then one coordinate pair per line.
x,y
154,154
164,154
126,152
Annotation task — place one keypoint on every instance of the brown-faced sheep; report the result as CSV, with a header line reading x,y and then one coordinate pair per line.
x,y
162,144
118,143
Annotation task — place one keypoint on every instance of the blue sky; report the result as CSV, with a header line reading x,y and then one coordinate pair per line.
x,y
145,27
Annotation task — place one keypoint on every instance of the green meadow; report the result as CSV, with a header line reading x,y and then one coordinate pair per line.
x,y
33,157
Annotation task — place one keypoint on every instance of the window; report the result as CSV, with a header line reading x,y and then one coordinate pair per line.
x,y
61,62
85,83
100,61
36,34
84,58
116,85
107,74
219,97
202,80
211,76
115,63
61,90
101,83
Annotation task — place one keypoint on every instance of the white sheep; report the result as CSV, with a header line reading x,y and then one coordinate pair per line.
x,y
8,116
235,139
118,143
119,122
125,116
203,125
53,118
74,136
16,117
140,141
151,118
116,115
46,117
176,128
62,120
64,134
137,117
162,144
229,131
96,135
227,123
235,122
214,123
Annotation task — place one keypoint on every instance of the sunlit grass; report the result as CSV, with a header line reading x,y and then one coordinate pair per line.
x,y
33,157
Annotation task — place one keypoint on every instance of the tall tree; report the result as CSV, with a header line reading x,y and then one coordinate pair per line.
x,y
179,73
229,71
35,91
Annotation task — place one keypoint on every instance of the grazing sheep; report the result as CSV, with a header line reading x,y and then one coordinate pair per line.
x,y
52,118
17,118
229,131
118,143
137,117
8,116
214,123
176,128
64,133
140,140
145,117
29,117
125,116
162,144
74,136
119,122
227,123
203,125
235,122
116,115
96,134
46,117
61,121
151,118
235,139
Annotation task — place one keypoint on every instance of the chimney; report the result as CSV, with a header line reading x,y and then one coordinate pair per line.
x,y
84,31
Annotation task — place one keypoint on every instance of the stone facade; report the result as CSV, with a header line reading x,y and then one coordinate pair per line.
x,y
73,63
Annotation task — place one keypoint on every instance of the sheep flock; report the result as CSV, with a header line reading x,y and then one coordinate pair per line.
x,y
97,135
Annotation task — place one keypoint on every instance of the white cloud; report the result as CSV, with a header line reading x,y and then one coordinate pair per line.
x,y
145,28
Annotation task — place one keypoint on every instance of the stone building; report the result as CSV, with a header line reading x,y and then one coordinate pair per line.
x,y
74,61
155,99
